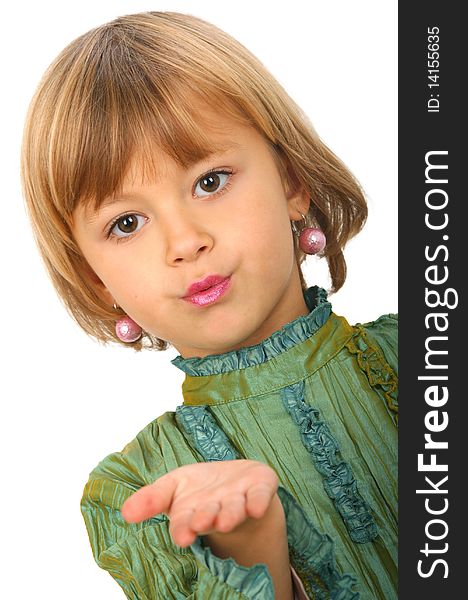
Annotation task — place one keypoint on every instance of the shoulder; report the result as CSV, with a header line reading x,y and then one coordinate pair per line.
x,y
117,476
383,334
385,326
139,463
375,345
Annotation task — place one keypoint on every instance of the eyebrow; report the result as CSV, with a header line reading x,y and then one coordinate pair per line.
x,y
219,150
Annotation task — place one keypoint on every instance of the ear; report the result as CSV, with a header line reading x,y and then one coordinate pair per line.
x,y
298,204
94,282
298,197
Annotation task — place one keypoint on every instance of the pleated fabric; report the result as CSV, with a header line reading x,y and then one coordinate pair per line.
x,y
317,402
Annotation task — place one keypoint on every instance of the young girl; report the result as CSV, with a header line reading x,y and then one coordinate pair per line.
x,y
175,190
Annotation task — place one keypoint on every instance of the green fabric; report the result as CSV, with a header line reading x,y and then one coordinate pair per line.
x,y
317,401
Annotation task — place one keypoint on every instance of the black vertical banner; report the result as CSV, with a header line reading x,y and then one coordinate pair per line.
x,y
433,267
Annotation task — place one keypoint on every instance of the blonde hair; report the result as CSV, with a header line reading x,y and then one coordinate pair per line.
x,y
127,85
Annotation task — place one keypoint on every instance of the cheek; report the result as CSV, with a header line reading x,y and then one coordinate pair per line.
x,y
126,279
268,250
147,308
260,212
269,231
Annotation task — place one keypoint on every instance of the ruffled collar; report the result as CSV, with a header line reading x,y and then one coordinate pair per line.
x,y
292,353
289,335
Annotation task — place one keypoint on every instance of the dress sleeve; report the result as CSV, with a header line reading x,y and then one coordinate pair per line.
x,y
312,557
384,333
147,565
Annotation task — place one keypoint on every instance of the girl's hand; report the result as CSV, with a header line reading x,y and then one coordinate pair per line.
x,y
207,497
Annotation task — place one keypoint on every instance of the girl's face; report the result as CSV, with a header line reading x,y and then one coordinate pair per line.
x,y
228,215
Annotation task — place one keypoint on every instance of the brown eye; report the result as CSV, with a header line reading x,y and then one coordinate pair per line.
x,y
212,182
126,225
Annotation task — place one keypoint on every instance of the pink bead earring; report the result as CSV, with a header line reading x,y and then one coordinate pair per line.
x,y
311,239
127,330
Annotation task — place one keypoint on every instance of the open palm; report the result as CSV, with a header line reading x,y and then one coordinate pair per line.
x,y
201,498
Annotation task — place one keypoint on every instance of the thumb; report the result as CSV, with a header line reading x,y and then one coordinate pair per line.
x,y
150,500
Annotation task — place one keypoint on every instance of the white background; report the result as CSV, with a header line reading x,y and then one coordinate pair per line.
x,y
67,401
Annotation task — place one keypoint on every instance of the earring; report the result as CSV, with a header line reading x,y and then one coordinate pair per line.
x,y
311,239
127,330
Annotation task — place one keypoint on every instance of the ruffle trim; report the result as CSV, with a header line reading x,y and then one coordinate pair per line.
x,y
204,433
289,335
338,482
213,444
378,371
313,555
252,582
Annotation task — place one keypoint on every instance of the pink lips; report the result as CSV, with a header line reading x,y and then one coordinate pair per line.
x,y
207,290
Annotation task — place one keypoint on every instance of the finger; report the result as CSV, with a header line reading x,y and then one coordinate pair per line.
x,y
204,516
179,528
258,499
150,500
232,513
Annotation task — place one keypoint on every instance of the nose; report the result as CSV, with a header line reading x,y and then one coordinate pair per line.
x,y
186,239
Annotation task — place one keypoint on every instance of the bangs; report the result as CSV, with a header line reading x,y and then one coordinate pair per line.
x,y
139,130
120,105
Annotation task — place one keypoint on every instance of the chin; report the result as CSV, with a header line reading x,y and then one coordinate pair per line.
x,y
226,341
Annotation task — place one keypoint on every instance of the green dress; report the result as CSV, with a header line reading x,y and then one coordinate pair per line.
x,y
317,401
